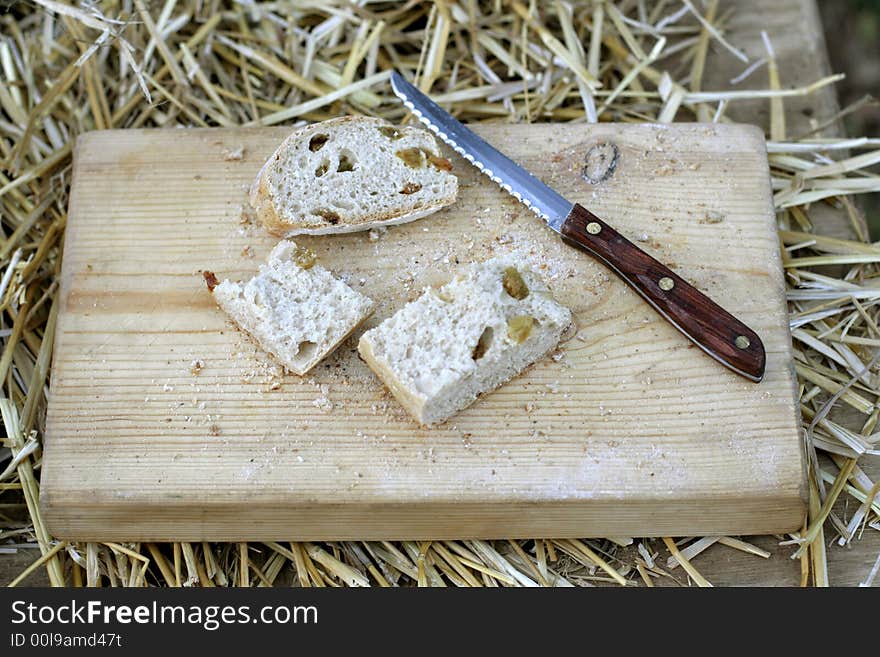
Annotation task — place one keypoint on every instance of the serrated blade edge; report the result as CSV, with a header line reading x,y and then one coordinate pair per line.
x,y
511,177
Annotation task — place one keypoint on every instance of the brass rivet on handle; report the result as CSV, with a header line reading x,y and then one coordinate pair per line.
x,y
666,283
593,228
742,342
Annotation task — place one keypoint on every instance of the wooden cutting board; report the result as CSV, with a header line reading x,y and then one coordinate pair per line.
x,y
166,423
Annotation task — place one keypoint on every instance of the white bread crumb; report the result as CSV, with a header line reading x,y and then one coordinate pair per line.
x,y
438,353
351,174
298,314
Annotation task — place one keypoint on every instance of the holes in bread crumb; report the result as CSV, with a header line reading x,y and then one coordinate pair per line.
x,y
519,328
347,161
322,168
483,344
416,158
410,188
317,142
390,132
439,163
303,257
514,284
412,157
306,350
329,216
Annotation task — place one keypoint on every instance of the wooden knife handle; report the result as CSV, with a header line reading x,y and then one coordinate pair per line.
x,y
707,324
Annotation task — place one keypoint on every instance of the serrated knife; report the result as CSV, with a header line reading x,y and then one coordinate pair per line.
x,y
704,322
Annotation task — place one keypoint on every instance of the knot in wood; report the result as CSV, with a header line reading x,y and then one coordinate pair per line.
x,y
600,162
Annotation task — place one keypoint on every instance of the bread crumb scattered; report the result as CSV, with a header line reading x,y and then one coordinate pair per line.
x,y
196,366
210,280
666,169
713,217
376,233
233,155
322,401
247,215
214,430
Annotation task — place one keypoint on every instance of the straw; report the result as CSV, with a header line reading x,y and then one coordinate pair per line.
x,y
67,68
685,563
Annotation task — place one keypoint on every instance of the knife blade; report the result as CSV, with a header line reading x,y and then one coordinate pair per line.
x,y
717,332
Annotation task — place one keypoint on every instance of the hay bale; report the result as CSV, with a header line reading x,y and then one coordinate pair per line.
x,y
68,69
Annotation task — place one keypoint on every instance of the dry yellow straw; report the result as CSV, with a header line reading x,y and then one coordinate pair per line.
x,y
68,69
687,565
36,564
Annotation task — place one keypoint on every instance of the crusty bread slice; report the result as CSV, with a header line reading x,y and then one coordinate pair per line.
x,y
441,351
295,309
350,174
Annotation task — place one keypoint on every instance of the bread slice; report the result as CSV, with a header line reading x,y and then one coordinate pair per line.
x,y
350,174
295,309
439,352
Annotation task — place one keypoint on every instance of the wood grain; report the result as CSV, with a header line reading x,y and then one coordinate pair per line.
x,y
627,431
713,329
